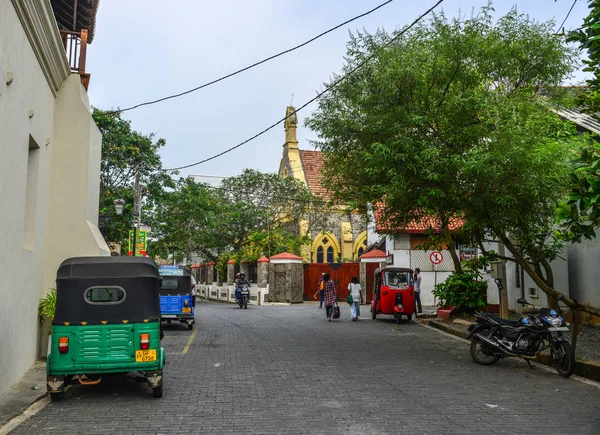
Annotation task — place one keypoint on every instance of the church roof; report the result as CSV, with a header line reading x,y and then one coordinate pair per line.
x,y
312,165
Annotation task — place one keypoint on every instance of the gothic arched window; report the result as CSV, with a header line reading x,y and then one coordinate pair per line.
x,y
330,255
320,254
361,251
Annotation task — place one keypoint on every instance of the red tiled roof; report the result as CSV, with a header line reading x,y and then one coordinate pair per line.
x,y
375,253
312,164
263,259
417,226
232,261
285,256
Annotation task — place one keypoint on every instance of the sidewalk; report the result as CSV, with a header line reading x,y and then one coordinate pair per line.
x,y
30,388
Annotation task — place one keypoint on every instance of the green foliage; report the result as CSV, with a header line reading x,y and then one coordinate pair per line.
x,y
449,120
47,306
465,291
271,243
124,150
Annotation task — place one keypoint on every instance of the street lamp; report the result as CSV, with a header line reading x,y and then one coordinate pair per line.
x,y
119,206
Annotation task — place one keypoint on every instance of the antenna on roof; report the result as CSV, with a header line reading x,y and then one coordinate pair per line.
x,y
292,100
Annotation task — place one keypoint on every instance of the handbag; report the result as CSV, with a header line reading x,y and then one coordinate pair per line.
x,y
349,299
336,311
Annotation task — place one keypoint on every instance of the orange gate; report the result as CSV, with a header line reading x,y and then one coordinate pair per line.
x,y
340,273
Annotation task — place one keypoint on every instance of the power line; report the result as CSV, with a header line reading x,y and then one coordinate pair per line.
x,y
568,13
289,50
360,65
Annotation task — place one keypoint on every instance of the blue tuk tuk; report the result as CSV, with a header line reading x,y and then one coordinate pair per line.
x,y
176,299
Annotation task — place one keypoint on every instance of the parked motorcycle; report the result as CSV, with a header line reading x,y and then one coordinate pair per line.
x,y
244,296
493,337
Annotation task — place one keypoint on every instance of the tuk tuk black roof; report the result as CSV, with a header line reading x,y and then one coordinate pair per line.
x,y
137,278
105,267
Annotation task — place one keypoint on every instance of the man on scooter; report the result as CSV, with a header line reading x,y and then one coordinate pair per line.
x,y
241,281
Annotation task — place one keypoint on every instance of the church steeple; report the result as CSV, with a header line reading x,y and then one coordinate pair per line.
x,y
290,125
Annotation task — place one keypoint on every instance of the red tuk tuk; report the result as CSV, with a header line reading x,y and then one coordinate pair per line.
x,y
393,293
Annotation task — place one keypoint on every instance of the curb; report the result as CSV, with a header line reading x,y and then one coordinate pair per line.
x,y
584,369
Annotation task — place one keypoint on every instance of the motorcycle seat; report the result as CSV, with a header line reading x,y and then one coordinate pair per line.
x,y
504,322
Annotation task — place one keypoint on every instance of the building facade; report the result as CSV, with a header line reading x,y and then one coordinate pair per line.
x,y
49,172
343,236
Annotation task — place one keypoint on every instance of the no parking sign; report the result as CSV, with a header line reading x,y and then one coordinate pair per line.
x,y
436,257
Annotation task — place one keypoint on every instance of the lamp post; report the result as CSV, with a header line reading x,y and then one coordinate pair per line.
x,y
103,219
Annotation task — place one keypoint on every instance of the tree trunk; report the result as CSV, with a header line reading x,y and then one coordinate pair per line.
x,y
454,255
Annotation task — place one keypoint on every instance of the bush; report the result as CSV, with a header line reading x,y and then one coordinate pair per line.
x,y
465,291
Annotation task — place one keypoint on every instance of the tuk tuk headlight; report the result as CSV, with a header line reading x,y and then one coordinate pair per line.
x,y
399,306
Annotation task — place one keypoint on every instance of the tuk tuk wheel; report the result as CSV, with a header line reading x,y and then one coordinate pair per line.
x,y
56,397
373,312
190,325
158,391
398,318
409,317
168,322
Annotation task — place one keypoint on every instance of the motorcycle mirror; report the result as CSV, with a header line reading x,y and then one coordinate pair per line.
x,y
523,301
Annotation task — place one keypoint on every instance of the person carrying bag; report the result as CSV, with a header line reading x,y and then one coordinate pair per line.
x,y
354,298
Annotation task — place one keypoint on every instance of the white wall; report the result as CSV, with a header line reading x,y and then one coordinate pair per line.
x,y
59,221
584,271
21,270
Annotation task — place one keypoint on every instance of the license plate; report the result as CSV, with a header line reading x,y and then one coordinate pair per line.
x,y
145,355
169,316
558,328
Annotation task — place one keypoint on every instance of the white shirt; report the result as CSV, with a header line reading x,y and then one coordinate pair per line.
x,y
193,285
354,291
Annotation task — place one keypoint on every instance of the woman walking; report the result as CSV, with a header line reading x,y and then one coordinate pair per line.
x,y
329,295
354,290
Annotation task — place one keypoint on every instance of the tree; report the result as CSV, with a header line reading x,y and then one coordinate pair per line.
x,y
188,220
260,203
123,151
455,119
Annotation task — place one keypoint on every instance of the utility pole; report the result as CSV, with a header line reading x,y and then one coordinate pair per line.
x,y
136,210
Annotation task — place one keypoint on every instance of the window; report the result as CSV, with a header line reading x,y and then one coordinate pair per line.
x,y
330,255
169,284
361,251
320,254
104,295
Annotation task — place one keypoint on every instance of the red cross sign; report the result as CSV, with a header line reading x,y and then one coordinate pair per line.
x,y
436,257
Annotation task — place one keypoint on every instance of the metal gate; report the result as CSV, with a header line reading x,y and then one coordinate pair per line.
x,y
340,273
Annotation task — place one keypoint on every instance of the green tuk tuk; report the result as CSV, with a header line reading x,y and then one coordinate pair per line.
x,y
107,320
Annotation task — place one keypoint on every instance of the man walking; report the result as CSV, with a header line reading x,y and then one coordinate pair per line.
x,y
320,290
417,289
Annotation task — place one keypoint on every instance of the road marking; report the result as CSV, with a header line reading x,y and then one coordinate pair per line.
x,y
186,348
26,415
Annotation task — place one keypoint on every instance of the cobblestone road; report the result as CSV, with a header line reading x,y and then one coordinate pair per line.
x,y
287,370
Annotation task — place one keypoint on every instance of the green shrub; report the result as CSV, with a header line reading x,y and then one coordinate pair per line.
x,y
465,291
47,305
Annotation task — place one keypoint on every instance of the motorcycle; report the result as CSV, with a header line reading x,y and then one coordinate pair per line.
x,y
493,337
243,296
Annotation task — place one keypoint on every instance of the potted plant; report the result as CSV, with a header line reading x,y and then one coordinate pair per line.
x,y
46,310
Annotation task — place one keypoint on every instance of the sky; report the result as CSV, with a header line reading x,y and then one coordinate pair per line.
x,y
148,49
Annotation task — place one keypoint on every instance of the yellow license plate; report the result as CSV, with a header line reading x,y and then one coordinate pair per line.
x,y
145,355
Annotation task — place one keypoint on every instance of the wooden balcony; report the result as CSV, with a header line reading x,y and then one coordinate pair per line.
x,y
75,44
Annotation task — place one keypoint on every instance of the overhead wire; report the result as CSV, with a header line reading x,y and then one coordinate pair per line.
x,y
319,95
568,14
212,82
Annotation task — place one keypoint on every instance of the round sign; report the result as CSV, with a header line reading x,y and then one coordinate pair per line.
x,y
436,257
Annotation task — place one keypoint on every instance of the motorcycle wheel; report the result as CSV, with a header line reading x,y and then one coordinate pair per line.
x,y
565,359
478,353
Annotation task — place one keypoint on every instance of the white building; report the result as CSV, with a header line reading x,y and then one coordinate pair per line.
x,y
401,248
50,166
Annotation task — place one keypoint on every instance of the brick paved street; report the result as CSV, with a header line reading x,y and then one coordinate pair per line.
x,y
276,369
